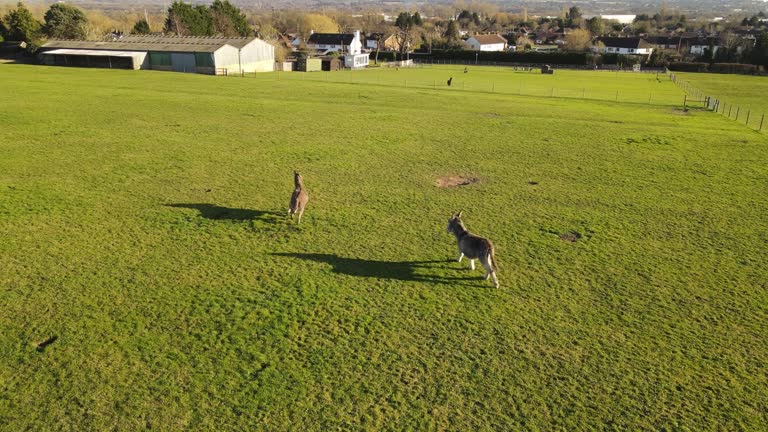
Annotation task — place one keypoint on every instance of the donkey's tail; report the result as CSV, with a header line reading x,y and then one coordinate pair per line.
x,y
491,258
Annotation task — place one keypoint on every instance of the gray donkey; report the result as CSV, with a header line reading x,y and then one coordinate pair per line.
x,y
299,197
473,247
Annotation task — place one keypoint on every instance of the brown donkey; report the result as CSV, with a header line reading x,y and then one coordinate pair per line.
x,y
299,197
473,247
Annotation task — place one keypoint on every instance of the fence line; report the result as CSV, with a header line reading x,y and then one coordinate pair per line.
x,y
536,66
510,87
719,106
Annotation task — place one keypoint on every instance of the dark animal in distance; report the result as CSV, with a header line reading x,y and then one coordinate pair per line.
x,y
299,197
449,81
473,247
466,70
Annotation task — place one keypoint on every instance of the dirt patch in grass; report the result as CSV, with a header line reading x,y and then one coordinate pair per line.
x,y
570,236
533,183
40,346
680,111
455,181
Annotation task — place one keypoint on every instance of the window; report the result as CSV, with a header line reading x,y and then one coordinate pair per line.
x,y
159,59
204,60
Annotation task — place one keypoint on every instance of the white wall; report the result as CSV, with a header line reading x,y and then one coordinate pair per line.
x,y
476,46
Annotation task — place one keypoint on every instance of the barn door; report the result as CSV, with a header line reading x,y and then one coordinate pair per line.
x,y
183,62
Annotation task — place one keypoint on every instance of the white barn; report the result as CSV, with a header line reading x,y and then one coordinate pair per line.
x,y
206,55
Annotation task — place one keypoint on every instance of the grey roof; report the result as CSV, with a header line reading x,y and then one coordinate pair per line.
x,y
155,43
330,38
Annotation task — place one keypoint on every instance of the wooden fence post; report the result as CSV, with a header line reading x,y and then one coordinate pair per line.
x,y
747,122
737,112
729,110
761,122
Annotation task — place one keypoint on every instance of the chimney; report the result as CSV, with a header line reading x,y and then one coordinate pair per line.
x,y
357,34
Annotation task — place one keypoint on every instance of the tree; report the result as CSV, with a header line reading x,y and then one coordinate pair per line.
x,y
63,21
759,55
573,16
452,33
595,25
141,27
20,25
408,31
578,40
318,23
186,20
228,20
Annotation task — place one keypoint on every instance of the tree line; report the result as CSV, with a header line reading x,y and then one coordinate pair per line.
x,y
65,21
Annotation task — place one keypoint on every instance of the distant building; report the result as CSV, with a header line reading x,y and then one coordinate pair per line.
x,y
330,42
492,42
700,45
388,43
626,46
347,44
622,19
206,55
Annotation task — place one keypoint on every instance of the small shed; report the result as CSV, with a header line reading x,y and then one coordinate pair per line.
x,y
12,49
331,64
309,65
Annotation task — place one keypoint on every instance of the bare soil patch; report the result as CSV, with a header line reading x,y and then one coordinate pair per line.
x,y
455,181
533,183
570,236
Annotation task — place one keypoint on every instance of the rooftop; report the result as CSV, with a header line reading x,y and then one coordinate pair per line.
x,y
155,43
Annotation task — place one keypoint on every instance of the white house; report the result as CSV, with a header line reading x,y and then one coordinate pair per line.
x,y
339,42
492,42
701,44
626,46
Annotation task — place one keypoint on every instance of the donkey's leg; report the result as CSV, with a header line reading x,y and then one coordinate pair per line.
x,y
472,264
495,279
301,212
488,267
461,255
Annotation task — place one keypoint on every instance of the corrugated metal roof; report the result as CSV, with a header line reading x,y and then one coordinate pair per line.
x,y
100,53
154,43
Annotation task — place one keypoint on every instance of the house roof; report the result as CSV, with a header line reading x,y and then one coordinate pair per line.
x,y
490,39
330,38
154,43
628,42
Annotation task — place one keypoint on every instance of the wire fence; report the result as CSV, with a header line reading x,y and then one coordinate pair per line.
x,y
751,118
511,82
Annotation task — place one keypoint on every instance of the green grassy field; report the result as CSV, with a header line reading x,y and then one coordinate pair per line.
x,y
749,93
644,88
142,218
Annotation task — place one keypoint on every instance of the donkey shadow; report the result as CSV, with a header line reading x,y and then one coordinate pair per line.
x,y
396,270
214,212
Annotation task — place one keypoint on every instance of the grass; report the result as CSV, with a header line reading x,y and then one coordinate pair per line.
x,y
143,227
614,86
746,92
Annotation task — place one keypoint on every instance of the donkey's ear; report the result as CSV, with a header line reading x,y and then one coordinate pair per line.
x,y
458,215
